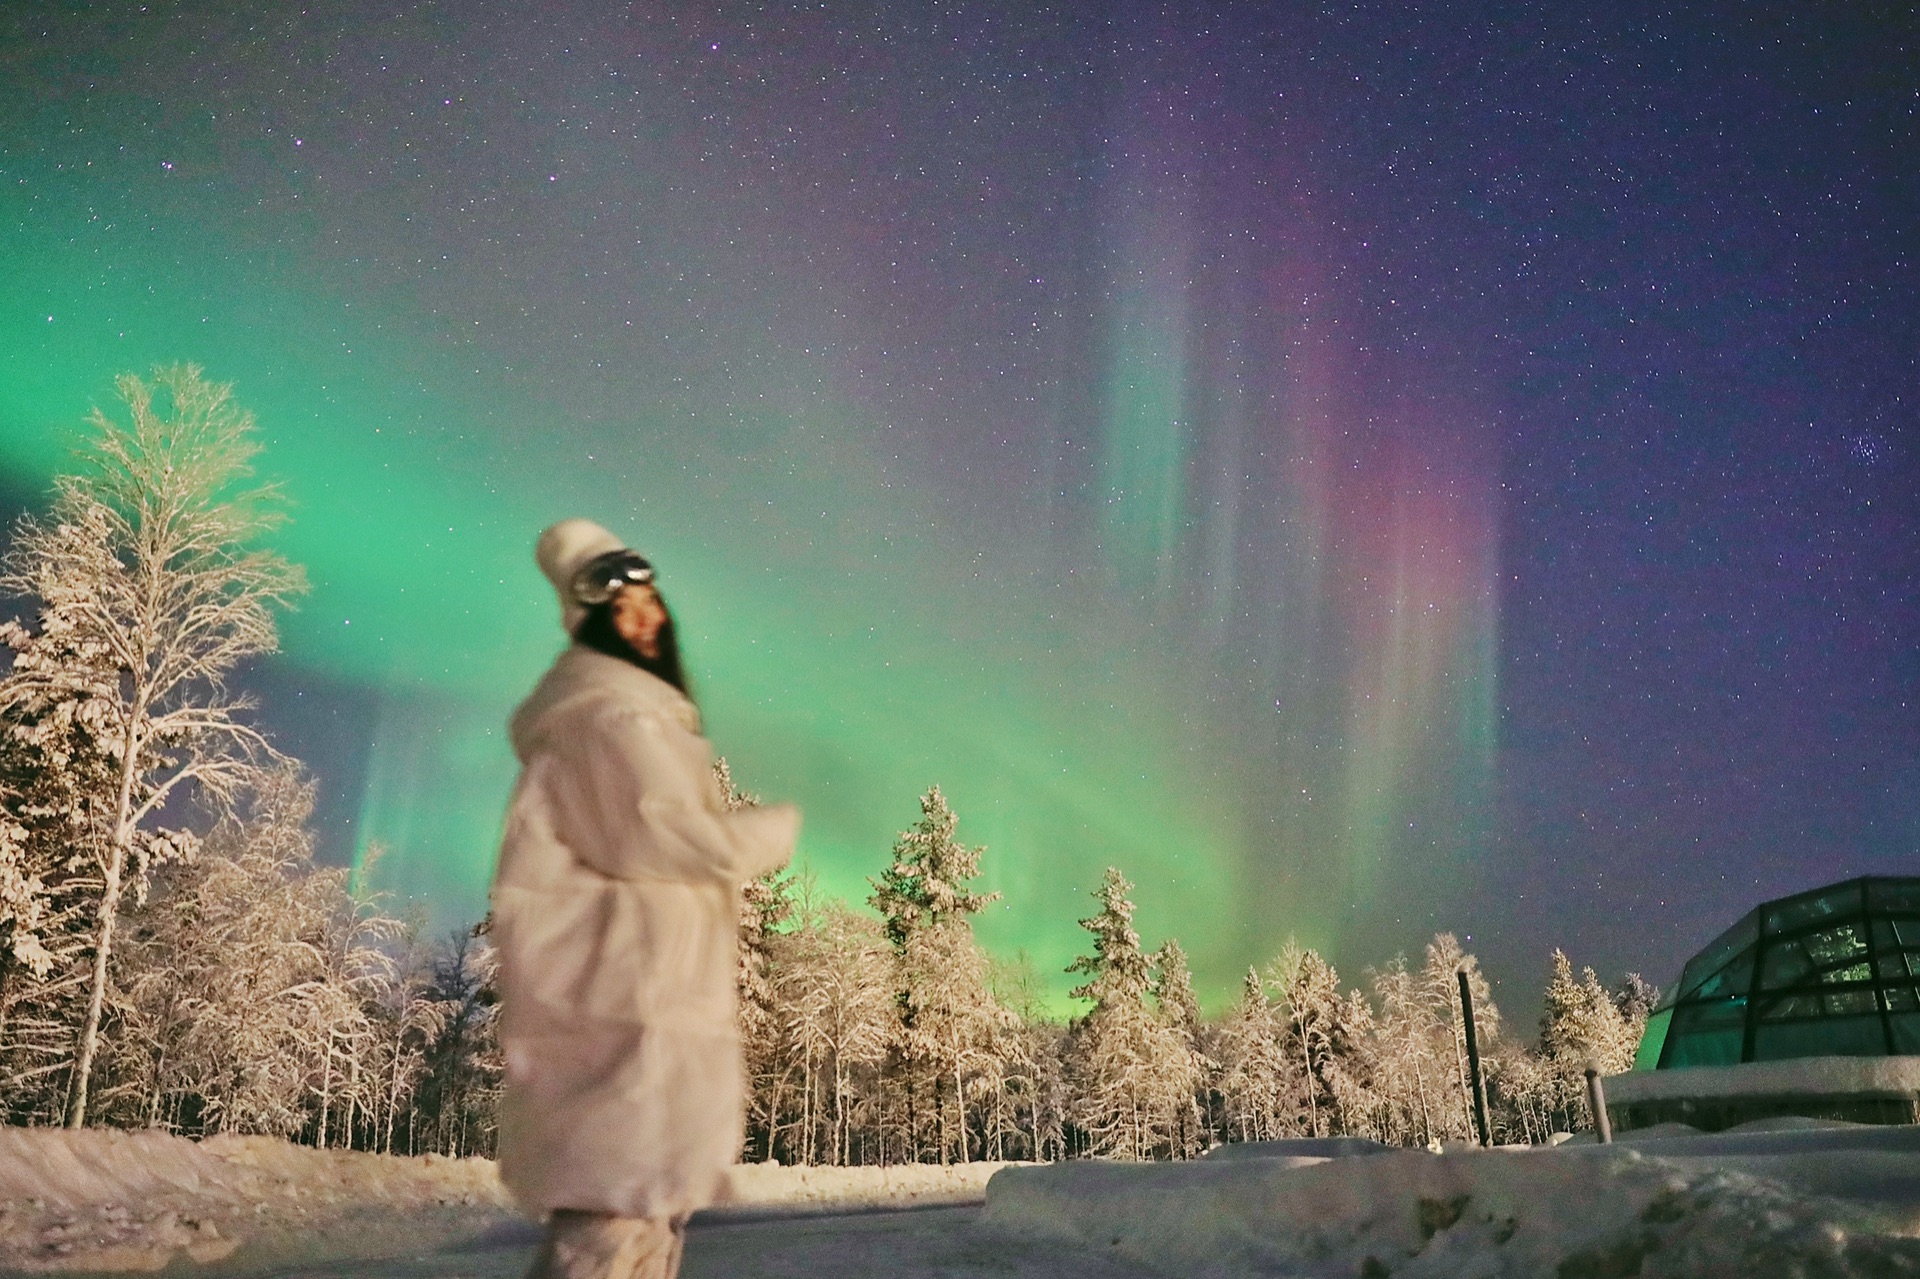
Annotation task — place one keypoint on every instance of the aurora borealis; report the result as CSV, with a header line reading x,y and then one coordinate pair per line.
x,y
1360,471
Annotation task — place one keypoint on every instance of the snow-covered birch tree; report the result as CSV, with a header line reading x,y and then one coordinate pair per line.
x,y
215,972
1030,1107
1440,989
1309,996
835,996
405,1019
151,589
1412,1079
951,1025
766,909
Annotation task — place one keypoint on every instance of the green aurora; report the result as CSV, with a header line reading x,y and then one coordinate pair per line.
x,y
838,633
1262,705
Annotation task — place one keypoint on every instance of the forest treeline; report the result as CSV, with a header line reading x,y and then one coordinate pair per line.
x,y
889,1035
171,956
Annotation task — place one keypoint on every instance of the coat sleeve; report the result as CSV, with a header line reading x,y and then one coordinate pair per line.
x,y
635,799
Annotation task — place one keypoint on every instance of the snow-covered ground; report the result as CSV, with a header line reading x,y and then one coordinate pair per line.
x,y
106,1201
1787,1198
101,1200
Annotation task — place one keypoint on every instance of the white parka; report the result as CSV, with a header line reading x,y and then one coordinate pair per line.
x,y
615,915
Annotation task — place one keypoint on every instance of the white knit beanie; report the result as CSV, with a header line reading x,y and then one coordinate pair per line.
x,y
562,551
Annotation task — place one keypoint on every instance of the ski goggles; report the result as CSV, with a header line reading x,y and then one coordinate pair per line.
x,y
604,576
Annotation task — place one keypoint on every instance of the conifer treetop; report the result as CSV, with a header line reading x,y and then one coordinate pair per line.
x,y
732,797
1118,970
925,886
1253,991
1173,987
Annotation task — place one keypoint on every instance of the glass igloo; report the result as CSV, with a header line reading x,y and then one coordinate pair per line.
x,y
1827,973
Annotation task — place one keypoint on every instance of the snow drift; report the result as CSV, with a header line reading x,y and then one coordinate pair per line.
x,y
104,1200
1829,1200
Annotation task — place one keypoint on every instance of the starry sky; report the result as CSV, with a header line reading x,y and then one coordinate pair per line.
x,y
1361,469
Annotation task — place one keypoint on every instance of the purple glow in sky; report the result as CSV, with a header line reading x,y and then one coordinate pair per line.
x,y
1365,470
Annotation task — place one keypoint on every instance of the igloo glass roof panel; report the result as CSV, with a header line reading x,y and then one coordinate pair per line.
x,y
1831,972
1720,954
1840,901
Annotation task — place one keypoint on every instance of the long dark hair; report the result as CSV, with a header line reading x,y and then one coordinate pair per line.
x,y
599,634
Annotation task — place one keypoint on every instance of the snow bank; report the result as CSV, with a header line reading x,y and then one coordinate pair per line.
x,y
759,1188
1828,1202
1310,1147
100,1200
1796,1077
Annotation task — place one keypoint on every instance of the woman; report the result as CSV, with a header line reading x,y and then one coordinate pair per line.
x,y
615,915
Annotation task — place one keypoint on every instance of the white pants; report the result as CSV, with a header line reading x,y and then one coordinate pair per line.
x,y
598,1245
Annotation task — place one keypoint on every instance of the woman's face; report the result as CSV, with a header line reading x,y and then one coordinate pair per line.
x,y
638,615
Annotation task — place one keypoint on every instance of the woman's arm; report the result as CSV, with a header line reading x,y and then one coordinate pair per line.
x,y
635,799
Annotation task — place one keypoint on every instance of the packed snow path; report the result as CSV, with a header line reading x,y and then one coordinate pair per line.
x,y
920,1243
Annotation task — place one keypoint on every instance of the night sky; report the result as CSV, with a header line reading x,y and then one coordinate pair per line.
x,y
1362,470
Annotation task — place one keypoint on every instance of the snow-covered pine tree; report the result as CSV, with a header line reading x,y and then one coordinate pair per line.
x,y
1130,1069
456,1066
951,1026
926,882
732,798
24,908
926,906
459,1092
1247,1044
1519,1091
50,761
151,590
1580,1023
1636,998
1180,1008
1349,1066
766,910
1172,984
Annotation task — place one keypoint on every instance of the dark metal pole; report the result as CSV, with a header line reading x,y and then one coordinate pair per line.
x,y
1473,1061
1597,1102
